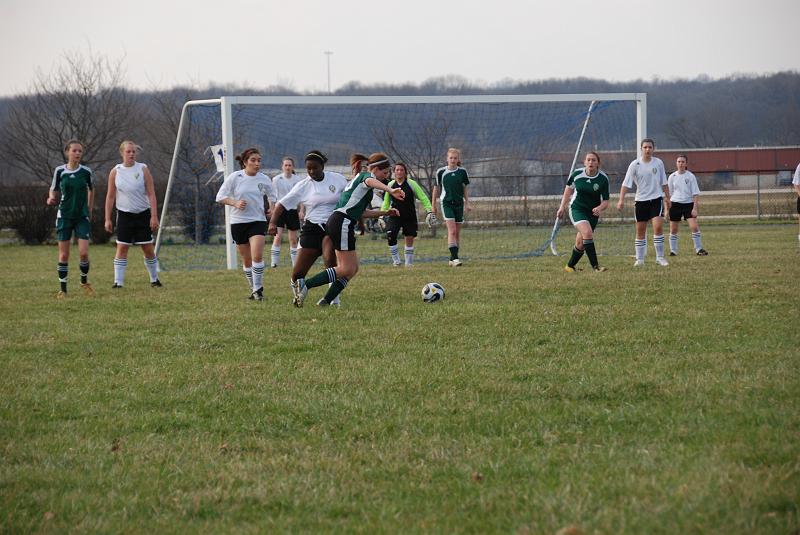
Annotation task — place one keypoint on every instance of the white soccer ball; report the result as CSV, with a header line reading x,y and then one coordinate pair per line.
x,y
432,292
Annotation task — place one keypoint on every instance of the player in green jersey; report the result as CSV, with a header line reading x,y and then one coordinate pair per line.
x,y
73,182
450,193
587,194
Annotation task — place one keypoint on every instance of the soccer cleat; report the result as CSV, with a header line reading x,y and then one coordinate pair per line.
x,y
323,302
600,269
116,286
569,269
396,263
455,262
673,253
300,296
156,284
87,289
258,295
661,261
638,263
273,265
61,294
702,252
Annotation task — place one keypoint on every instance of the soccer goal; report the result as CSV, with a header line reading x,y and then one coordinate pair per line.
x,y
517,149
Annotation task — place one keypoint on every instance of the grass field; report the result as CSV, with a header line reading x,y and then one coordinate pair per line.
x,y
659,400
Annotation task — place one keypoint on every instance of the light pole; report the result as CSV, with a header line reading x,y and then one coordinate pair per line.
x,y
328,53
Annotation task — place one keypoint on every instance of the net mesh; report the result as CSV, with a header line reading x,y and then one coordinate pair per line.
x,y
518,156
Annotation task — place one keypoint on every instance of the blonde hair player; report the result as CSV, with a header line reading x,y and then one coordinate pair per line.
x,y
450,190
648,175
684,200
130,186
74,183
353,203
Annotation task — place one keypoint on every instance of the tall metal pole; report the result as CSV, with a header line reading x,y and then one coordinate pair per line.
x,y
328,53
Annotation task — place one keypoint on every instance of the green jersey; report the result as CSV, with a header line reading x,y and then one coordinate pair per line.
x,y
587,191
74,185
356,197
452,183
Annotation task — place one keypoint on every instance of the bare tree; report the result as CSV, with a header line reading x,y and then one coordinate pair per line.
x,y
82,98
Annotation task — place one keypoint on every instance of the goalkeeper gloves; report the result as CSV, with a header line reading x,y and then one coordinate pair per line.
x,y
430,219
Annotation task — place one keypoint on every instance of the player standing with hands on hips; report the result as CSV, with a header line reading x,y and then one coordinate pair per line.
x,y
587,193
684,200
647,173
130,186
73,182
244,191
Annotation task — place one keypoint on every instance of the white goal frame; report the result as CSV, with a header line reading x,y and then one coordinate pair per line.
x,y
226,104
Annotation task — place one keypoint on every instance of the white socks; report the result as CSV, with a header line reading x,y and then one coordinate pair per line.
x,y
409,253
658,245
258,275
120,264
151,264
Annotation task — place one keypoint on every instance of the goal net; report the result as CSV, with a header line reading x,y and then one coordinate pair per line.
x,y
517,149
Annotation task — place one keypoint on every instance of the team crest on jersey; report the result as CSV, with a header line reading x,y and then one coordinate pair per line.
x,y
137,176
596,187
332,188
261,187
686,181
655,170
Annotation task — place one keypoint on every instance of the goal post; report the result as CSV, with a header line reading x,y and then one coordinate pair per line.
x,y
517,150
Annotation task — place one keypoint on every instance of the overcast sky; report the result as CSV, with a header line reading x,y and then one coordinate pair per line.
x,y
263,43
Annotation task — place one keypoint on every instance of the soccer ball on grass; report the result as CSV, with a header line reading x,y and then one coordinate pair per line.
x,y
432,292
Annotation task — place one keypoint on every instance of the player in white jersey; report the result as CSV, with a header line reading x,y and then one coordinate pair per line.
x,y
318,192
796,185
684,199
290,219
130,186
648,175
244,191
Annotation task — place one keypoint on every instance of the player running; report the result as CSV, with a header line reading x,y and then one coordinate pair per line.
x,y
319,192
74,183
450,190
588,194
407,218
245,191
647,173
684,199
130,186
352,204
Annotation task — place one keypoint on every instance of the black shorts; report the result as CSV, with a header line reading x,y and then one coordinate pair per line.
x,y
311,235
681,210
241,232
289,219
798,205
395,224
647,210
134,229
341,230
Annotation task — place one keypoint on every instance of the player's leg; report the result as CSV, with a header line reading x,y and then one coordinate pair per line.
x,y
120,264
577,254
586,231
256,243
275,250
293,245
696,237
83,252
658,240
674,224
339,277
408,252
63,265
392,231
247,262
342,235
642,218
151,264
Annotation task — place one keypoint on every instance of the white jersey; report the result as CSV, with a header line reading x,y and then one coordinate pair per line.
x,y
131,191
649,177
796,178
284,185
682,187
319,197
252,189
